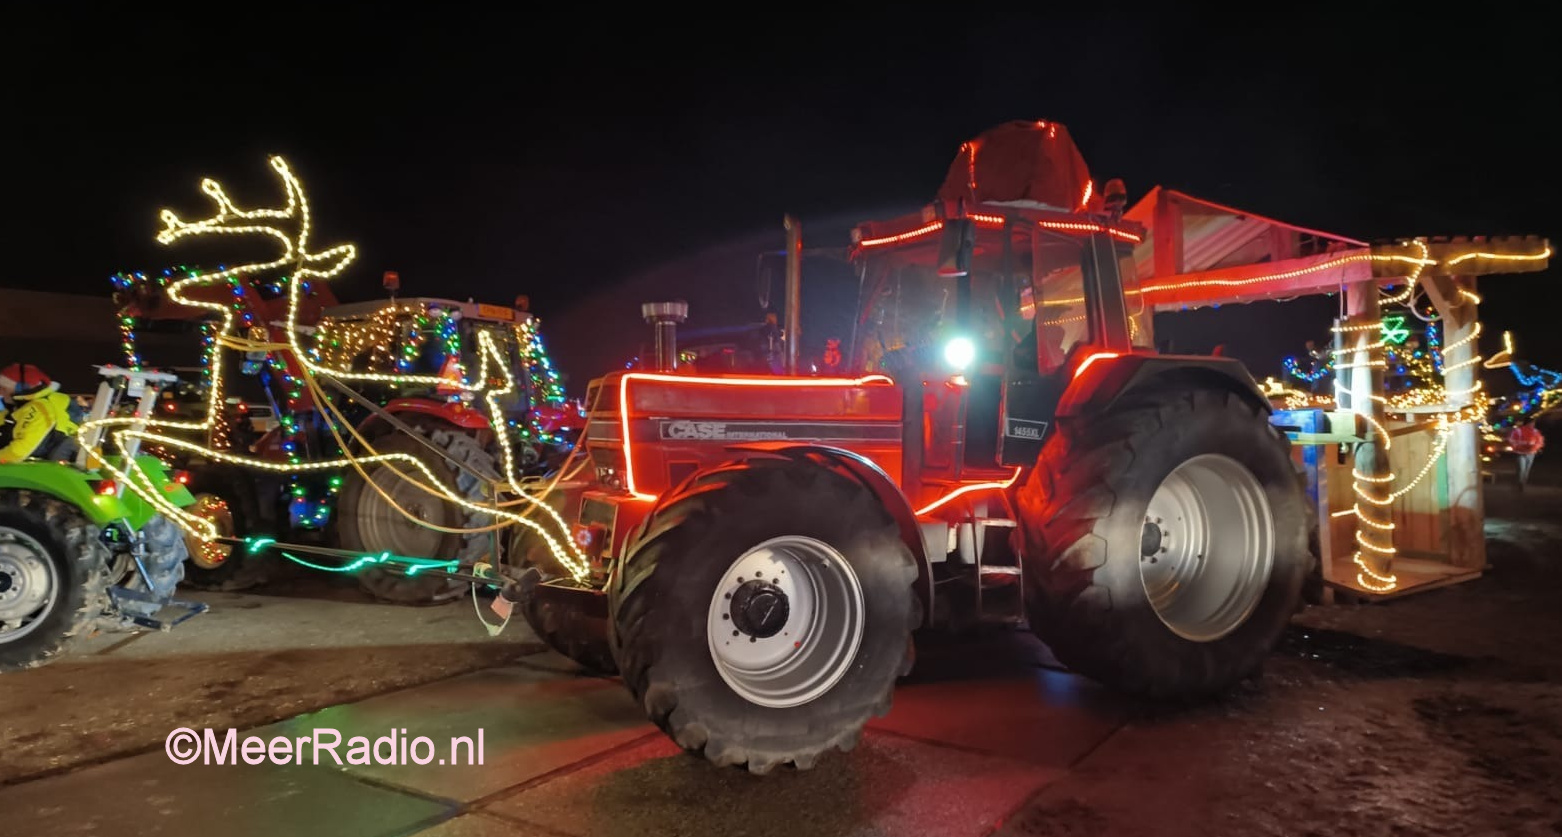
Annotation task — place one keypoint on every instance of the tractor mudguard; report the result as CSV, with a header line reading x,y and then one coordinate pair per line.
x,y
456,413
1100,383
884,488
79,488
69,484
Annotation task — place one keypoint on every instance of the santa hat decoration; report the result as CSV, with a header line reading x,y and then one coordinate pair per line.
x,y
26,378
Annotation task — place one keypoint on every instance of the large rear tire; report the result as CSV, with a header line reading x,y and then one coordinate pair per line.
x,y
1166,543
763,612
369,524
52,578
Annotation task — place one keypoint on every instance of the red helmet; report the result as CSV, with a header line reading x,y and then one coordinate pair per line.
x,y
24,378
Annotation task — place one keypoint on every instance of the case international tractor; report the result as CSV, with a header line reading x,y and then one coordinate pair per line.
x,y
1005,446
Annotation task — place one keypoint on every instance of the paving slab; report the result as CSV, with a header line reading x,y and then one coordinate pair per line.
x,y
888,785
240,622
235,667
482,825
151,796
533,721
1043,717
1006,695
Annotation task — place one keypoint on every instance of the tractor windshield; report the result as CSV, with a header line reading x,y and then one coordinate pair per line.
x,y
910,312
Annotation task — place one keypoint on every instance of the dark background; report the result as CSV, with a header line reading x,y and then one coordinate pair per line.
x,y
486,153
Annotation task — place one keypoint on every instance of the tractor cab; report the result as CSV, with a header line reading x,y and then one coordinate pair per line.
x,y
989,314
433,337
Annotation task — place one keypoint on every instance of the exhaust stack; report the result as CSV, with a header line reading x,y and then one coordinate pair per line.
x,y
665,317
794,292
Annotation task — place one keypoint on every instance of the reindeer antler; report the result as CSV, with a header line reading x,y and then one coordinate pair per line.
x,y
230,220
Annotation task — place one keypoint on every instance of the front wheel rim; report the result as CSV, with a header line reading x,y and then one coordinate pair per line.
x,y
785,621
209,555
29,584
1207,547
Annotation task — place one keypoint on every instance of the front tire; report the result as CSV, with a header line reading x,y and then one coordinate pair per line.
x,y
52,578
231,505
763,613
576,635
1166,543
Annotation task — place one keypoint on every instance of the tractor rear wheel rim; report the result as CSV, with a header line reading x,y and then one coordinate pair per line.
x,y
29,584
785,621
1207,547
383,528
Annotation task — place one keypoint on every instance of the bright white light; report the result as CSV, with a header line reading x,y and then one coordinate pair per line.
x,y
959,352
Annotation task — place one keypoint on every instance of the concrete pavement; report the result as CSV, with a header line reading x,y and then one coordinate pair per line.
x,y
567,754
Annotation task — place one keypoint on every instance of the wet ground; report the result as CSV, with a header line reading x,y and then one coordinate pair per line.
x,y
1436,714
309,642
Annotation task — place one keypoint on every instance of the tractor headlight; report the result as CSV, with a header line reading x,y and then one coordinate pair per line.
x,y
959,352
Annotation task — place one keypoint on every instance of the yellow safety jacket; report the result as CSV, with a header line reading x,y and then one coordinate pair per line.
x,y
38,418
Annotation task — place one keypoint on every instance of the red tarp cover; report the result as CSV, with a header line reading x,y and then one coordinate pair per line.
x,y
1031,162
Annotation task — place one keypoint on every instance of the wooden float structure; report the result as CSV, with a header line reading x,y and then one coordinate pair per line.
x,y
1199,253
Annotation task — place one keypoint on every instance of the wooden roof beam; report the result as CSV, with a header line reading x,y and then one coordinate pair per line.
x,y
1466,255
1322,273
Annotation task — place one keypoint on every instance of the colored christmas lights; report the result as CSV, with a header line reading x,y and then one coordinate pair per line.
x,y
125,432
1540,391
1423,369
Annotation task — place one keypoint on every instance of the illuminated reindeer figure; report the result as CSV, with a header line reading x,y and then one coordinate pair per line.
x,y
305,265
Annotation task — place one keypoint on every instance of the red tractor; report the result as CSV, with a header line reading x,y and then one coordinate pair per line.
x,y
342,509
1005,446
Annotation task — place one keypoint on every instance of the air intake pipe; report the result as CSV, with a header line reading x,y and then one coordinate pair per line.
x,y
665,317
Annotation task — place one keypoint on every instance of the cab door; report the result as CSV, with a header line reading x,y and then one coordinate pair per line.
x,y
1062,308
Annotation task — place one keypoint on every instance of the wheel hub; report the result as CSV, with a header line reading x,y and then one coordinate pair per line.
x,y
785,621
1150,539
760,609
382,527
28,583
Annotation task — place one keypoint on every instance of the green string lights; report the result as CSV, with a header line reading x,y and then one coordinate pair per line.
x,y
413,566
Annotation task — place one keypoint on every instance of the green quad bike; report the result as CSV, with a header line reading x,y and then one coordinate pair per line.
x,y
81,553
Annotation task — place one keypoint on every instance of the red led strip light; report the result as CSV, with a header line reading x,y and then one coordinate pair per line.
x,y
998,221
623,402
967,489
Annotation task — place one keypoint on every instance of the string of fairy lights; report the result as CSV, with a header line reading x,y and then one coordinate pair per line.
x,y
385,349
1388,345
494,378
396,336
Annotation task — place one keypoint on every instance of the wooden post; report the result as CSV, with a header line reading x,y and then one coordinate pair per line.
x,y
1466,535
1167,237
1371,461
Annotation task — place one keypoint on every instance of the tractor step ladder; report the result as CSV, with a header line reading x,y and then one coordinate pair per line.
x,y
1000,596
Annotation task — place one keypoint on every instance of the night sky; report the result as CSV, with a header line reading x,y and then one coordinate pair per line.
x,y
594,169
